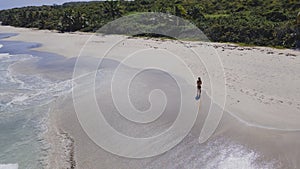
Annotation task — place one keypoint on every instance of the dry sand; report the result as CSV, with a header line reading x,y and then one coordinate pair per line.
x,y
262,99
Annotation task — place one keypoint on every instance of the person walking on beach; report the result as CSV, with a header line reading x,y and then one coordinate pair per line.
x,y
199,83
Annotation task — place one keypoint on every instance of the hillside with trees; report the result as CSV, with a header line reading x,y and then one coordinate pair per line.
x,y
251,22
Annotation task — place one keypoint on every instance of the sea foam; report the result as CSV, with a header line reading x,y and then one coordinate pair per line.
x,y
24,106
9,166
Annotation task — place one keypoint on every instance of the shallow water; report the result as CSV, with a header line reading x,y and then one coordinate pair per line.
x,y
24,106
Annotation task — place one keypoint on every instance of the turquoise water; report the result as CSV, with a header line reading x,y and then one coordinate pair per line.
x,y
24,105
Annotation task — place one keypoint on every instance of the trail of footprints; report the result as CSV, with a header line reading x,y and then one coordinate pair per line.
x,y
255,94
258,95
240,48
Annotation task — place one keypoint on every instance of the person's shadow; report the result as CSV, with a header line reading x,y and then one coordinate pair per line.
x,y
198,96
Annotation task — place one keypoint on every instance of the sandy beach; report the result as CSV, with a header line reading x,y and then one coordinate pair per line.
x,y
262,108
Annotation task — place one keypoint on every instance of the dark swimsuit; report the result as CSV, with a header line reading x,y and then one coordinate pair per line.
x,y
199,85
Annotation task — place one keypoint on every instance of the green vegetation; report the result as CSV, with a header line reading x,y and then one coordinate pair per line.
x,y
214,16
252,22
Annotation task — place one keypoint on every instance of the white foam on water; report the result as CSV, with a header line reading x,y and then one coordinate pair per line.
x,y
236,157
4,55
1,46
220,153
243,161
26,97
229,154
9,166
19,98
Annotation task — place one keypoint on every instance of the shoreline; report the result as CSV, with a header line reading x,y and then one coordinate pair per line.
x,y
157,38
62,151
246,99
84,36
58,140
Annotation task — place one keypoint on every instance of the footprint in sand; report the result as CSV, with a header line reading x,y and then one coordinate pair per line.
x,y
280,101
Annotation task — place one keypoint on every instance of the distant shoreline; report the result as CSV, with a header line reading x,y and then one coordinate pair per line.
x,y
69,37
153,37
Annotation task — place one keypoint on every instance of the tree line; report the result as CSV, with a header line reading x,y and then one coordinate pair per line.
x,y
252,22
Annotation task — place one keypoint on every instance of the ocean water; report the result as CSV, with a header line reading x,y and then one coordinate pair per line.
x,y
24,105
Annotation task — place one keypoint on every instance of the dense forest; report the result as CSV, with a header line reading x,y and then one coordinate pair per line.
x,y
251,22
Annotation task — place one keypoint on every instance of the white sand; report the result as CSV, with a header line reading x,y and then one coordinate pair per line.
x,y
263,91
